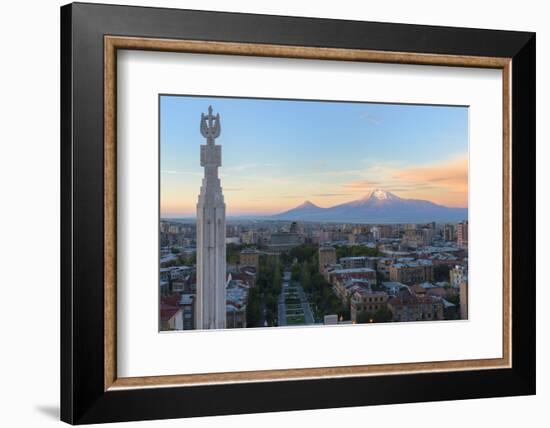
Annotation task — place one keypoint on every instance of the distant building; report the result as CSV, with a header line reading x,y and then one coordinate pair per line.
x,y
376,234
283,241
411,272
393,288
367,301
250,257
357,262
457,275
422,289
427,235
346,281
250,237
319,236
407,306
388,231
449,232
383,266
340,275
236,302
415,238
353,262
327,257
187,305
246,274
462,234
294,227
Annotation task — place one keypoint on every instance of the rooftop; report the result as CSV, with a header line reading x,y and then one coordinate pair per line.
x,y
407,297
187,299
250,251
167,311
353,270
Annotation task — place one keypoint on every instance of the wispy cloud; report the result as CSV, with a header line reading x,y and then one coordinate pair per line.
x,y
452,174
171,172
242,167
369,117
361,185
445,181
328,195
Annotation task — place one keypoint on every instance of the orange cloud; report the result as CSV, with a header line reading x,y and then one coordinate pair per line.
x,y
452,174
445,182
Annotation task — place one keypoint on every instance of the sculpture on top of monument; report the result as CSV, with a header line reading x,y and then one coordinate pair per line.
x,y
210,126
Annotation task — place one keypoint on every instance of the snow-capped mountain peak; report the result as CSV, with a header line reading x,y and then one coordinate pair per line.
x,y
380,206
382,195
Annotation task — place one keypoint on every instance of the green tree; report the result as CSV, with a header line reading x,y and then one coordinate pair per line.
x,y
253,308
363,317
303,253
344,311
296,271
453,299
380,315
305,277
277,281
188,260
270,318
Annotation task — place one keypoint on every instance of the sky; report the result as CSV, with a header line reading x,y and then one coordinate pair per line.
x,y
277,154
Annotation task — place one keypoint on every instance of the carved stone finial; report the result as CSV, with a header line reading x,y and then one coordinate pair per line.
x,y
210,126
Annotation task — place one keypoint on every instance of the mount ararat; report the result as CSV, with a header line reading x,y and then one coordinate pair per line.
x,y
378,207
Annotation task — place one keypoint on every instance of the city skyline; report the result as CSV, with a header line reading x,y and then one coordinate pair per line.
x,y
279,153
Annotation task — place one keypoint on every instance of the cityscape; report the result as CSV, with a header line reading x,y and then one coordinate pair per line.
x,y
387,255
282,273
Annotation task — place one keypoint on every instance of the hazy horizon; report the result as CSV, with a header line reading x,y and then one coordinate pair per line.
x,y
277,154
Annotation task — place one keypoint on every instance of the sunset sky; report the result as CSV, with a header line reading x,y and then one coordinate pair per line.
x,y
278,153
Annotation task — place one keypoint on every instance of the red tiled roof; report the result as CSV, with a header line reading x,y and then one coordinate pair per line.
x,y
167,311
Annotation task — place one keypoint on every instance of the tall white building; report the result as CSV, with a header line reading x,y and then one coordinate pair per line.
x,y
457,276
210,309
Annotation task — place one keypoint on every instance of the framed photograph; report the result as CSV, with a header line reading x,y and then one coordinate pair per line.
x,y
266,213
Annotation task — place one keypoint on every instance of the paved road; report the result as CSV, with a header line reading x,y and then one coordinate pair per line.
x,y
308,315
282,306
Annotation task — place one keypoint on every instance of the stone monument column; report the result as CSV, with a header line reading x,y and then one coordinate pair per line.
x,y
211,268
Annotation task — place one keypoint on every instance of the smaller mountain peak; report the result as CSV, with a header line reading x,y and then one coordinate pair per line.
x,y
307,204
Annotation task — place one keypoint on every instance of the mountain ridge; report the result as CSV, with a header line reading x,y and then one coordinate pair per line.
x,y
380,206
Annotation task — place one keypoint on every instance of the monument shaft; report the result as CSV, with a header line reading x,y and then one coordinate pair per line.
x,y
210,312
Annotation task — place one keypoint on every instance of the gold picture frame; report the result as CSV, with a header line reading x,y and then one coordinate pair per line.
x,y
114,43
